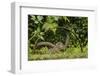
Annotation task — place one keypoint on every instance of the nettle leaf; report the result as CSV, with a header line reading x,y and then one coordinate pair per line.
x,y
37,34
39,18
56,18
50,26
33,17
36,22
46,26
66,19
41,33
50,19
41,38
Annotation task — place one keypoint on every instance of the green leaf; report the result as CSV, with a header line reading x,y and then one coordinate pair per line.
x,y
66,19
36,22
39,18
50,26
33,17
41,38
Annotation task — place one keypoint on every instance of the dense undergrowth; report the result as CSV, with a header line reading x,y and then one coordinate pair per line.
x,y
70,53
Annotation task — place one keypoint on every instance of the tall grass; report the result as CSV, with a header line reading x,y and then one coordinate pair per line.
x,y
69,53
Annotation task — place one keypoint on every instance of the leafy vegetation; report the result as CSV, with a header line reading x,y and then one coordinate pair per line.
x,y
57,37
